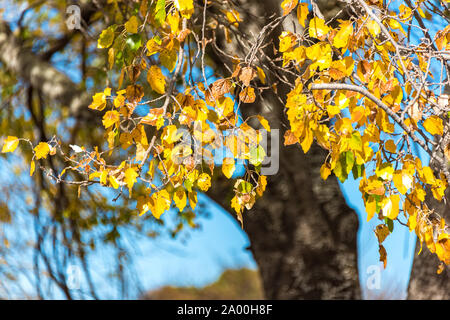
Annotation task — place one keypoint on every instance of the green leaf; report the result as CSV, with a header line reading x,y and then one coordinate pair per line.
x,y
357,171
389,223
244,186
106,38
160,12
257,155
134,42
349,161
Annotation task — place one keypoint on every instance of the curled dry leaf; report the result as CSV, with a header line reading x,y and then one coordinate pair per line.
x,y
247,95
246,75
218,89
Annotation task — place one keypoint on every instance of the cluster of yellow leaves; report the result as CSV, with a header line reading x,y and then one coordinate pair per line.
x,y
204,116
356,132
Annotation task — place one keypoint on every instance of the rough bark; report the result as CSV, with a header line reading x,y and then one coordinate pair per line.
x,y
302,233
425,283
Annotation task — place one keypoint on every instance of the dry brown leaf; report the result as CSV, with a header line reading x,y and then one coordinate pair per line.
x,y
246,75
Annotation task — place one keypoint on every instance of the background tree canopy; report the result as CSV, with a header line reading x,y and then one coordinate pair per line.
x,y
115,112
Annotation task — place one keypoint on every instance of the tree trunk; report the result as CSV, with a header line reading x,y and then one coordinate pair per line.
x,y
425,283
302,233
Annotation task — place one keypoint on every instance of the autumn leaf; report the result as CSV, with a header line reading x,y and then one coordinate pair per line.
x,y
302,13
288,6
204,182
130,178
261,75
180,199
383,255
160,12
32,168
110,118
161,203
247,95
186,7
264,122
390,206
106,38
228,167
218,89
10,144
132,25
434,125
42,150
246,75
289,138
318,29
381,231
156,79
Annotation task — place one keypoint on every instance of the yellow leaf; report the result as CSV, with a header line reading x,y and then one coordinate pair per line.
x,y
264,122
434,125
192,199
325,171
11,144
318,29
288,6
180,199
153,45
302,13
114,182
385,171
106,38
428,175
307,140
341,38
132,25
228,167
186,7
238,207
32,168
233,17
162,203
42,150
110,118
371,206
402,181
390,206
373,27
262,183
130,178
204,182
261,75
99,100
247,95
156,79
